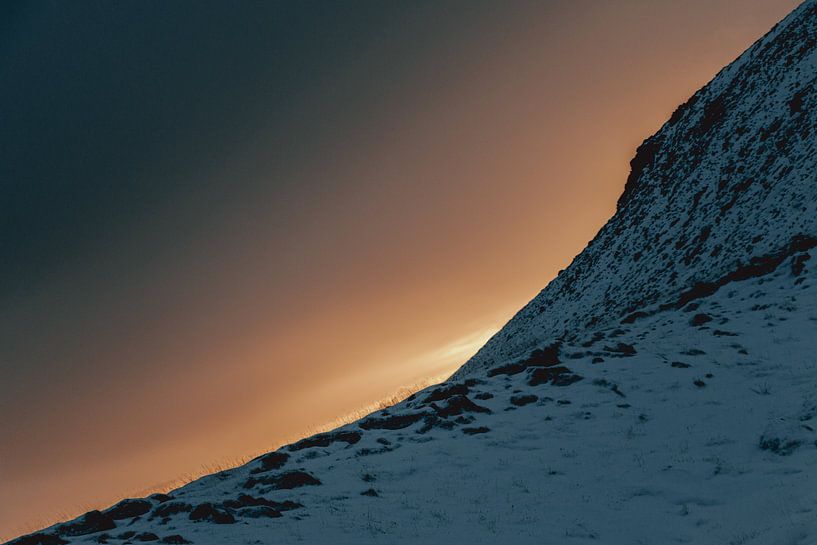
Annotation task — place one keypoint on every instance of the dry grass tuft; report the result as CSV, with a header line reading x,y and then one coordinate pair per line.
x,y
226,464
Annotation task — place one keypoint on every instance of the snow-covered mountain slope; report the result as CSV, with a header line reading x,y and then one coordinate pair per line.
x,y
685,427
729,177
662,389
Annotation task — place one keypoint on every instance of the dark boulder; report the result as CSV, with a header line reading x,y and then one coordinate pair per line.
x,y
326,439
127,509
781,447
259,511
457,405
476,431
395,422
522,400
175,539
169,509
621,348
556,376
544,357
159,497
444,392
207,512
700,319
38,539
284,481
541,357
295,479
273,460
507,369
245,500
89,523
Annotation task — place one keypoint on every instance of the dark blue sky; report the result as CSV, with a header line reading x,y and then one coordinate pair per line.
x,y
114,104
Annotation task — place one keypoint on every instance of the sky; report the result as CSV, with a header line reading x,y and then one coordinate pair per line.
x,y
225,225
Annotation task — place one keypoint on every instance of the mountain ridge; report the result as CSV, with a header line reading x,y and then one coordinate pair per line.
x,y
675,154
660,389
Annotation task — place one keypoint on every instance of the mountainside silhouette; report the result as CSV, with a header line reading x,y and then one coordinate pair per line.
x,y
663,388
728,180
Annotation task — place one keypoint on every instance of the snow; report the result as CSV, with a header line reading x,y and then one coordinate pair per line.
x,y
678,392
735,160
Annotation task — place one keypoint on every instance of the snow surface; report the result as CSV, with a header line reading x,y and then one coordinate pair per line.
x,y
731,175
663,389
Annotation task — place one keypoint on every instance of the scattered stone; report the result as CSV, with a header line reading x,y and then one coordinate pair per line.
x,y
38,539
722,333
781,447
475,431
597,336
371,492
175,539
522,400
700,319
171,508
445,392
457,405
126,509
326,439
245,500
395,422
284,481
621,348
557,376
508,369
541,357
544,357
90,523
207,512
757,266
273,460
370,451
631,318
260,511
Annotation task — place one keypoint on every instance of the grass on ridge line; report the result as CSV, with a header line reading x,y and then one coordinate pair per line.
x,y
227,463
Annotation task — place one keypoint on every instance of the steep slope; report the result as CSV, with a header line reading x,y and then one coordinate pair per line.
x,y
730,177
662,389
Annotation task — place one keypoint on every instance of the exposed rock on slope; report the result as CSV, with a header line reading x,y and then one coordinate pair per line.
x,y
730,179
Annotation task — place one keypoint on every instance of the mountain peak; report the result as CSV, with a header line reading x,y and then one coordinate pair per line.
x,y
728,179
